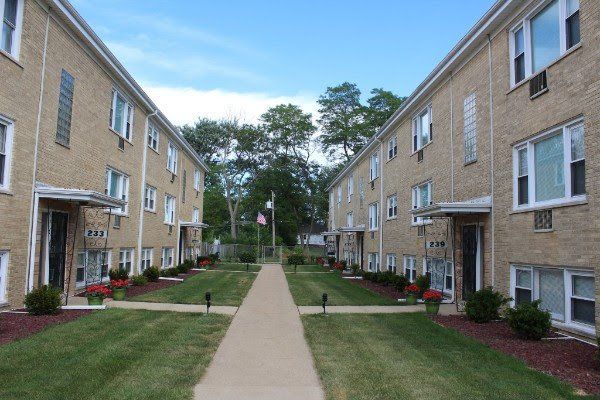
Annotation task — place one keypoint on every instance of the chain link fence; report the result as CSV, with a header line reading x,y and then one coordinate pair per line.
x,y
264,254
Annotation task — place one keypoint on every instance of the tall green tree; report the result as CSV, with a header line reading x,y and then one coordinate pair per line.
x,y
380,107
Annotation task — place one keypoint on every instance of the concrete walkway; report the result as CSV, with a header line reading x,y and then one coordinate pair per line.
x,y
264,354
445,309
188,308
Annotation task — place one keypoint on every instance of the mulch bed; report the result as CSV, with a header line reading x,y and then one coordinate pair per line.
x,y
15,326
569,360
379,288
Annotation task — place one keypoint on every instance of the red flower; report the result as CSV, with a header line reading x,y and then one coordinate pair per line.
x,y
413,289
338,266
119,283
205,263
98,291
320,261
432,296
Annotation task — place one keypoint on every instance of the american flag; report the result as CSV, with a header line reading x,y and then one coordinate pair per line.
x,y
261,219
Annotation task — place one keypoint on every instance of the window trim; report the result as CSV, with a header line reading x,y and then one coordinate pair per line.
x,y
412,270
172,154
374,219
374,172
197,178
195,215
349,219
107,262
471,99
417,129
377,263
127,117
124,251
394,208
416,202
124,191
4,259
565,130
171,212
144,257
163,257
15,50
448,263
339,195
9,132
393,149
67,136
525,23
350,188
394,265
153,190
153,136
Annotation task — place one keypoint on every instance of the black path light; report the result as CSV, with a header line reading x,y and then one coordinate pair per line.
x,y
247,267
324,302
207,296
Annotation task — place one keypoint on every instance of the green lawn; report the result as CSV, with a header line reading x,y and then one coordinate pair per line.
x,y
236,267
227,289
307,290
305,268
406,356
113,354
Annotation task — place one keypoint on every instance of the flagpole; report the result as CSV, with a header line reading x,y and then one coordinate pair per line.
x,y
258,243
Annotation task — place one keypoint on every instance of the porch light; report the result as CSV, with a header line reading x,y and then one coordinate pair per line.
x,y
324,298
207,296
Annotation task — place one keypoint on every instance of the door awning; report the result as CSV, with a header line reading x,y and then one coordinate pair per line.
x,y
476,206
331,233
359,228
193,224
81,196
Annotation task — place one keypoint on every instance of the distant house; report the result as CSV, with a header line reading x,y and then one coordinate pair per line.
x,y
314,236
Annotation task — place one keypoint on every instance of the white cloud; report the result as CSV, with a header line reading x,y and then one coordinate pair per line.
x,y
186,105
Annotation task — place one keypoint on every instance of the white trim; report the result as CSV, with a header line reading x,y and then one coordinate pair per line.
x,y
169,212
127,117
9,127
417,128
4,258
374,216
164,256
374,166
78,195
15,49
123,259
86,254
144,257
151,199
122,190
172,157
412,260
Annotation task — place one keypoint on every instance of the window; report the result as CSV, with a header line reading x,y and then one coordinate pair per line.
x,y
126,260
153,137
92,266
339,197
391,262
121,115
147,254
3,275
550,168
470,128
117,186
422,129
421,197
373,216
196,215
567,294
65,108
374,262
361,190
349,220
392,147
183,185
197,180
441,274
410,268
169,209
543,37
392,206
6,130
167,257
172,153
350,187
11,11
150,198
374,167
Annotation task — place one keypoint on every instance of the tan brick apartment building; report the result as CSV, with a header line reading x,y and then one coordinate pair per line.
x,y
488,173
92,175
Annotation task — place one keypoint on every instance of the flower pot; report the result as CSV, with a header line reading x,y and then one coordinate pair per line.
x,y
95,300
119,294
411,299
432,308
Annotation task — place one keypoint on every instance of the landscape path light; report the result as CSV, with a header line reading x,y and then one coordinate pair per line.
x,y
207,296
324,302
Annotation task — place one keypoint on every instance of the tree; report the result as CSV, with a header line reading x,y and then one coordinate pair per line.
x,y
290,130
342,120
381,106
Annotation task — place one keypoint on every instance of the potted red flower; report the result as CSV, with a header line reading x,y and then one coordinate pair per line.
x,y
412,294
432,299
119,288
204,264
96,293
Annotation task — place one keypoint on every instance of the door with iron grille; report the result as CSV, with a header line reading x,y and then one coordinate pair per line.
x,y
469,250
57,249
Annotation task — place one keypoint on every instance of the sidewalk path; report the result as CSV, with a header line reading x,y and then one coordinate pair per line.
x,y
264,354
445,309
189,308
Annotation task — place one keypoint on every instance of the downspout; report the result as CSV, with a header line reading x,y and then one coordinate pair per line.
x,y
33,212
380,202
491,100
142,192
452,136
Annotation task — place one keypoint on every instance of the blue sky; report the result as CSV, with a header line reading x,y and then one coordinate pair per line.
x,y
219,58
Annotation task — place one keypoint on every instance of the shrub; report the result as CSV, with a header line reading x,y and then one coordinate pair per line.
x,y
528,321
330,260
484,305
401,283
120,274
170,272
386,277
139,280
44,300
296,259
422,282
355,269
367,275
320,261
247,257
152,274
214,257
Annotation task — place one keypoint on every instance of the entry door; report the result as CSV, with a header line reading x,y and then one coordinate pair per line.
x,y
469,250
57,249
181,243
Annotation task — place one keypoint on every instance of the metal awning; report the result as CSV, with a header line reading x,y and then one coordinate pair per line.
x,y
84,197
193,224
331,233
477,206
360,228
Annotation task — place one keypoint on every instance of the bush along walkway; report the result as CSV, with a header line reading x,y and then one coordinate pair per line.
x,y
264,354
